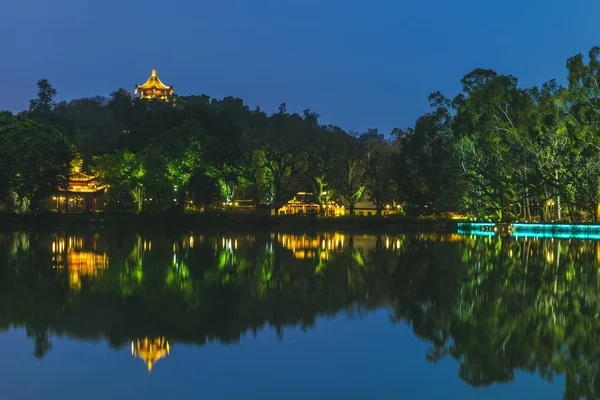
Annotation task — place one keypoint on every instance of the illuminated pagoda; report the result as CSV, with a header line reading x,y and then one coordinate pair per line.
x,y
82,191
154,89
150,350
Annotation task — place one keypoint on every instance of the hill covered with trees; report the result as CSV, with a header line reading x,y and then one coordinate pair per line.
x,y
496,150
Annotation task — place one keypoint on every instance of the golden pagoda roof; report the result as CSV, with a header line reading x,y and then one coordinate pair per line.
x,y
153,83
78,176
80,182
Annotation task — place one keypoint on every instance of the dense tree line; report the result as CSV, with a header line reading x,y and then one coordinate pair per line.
x,y
495,150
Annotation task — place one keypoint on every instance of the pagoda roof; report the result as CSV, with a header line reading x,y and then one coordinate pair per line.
x,y
153,83
78,176
80,182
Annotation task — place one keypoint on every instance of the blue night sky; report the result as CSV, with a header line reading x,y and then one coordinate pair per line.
x,y
360,64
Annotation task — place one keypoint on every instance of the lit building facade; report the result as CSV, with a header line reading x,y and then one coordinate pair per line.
x,y
154,89
307,203
83,193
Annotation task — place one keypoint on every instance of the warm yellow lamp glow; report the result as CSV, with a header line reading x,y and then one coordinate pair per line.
x,y
150,350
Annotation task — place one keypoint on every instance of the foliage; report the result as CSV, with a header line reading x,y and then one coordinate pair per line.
x,y
494,151
34,160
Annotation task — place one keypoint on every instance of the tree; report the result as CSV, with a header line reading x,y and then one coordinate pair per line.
x,y
281,148
351,174
40,108
182,155
37,158
491,115
322,161
425,163
124,172
379,183
203,188
583,119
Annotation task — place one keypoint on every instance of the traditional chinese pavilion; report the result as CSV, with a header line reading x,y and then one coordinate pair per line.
x,y
154,89
81,194
150,350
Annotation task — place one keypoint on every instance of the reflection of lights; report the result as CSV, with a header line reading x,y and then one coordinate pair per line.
x,y
77,261
550,256
387,242
510,253
191,242
150,350
304,247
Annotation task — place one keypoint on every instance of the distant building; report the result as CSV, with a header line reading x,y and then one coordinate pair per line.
x,y
373,136
154,89
82,193
308,203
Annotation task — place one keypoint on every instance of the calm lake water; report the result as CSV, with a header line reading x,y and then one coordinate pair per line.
x,y
88,315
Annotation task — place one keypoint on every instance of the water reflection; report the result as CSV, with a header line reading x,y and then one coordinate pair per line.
x,y
150,350
497,305
79,255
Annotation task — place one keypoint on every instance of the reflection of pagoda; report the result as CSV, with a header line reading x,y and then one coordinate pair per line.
x,y
80,260
304,247
150,350
154,89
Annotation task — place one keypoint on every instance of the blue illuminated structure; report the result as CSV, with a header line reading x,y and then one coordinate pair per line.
x,y
557,235
532,230
480,226
557,228
476,233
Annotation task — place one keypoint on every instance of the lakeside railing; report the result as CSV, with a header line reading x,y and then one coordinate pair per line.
x,y
556,230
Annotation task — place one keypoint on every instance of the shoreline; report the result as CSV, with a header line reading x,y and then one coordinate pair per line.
x,y
219,222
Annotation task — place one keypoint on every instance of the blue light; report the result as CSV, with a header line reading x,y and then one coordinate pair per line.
x,y
557,235
476,233
556,228
475,224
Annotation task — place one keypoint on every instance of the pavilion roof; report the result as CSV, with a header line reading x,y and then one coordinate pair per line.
x,y
153,83
78,176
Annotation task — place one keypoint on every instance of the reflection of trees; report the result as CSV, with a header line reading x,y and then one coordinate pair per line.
x,y
531,305
496,305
